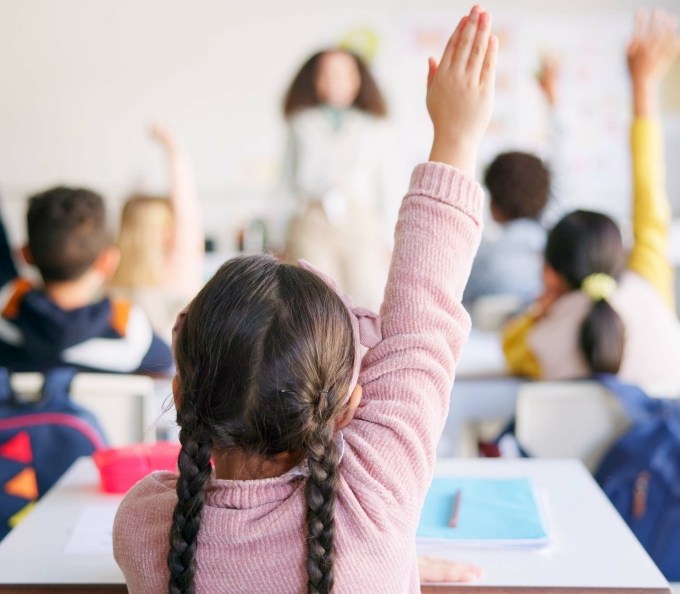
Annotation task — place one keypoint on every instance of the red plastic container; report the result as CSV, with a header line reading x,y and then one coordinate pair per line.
x,y
121,468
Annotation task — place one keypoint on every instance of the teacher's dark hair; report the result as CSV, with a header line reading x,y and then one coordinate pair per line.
x,y
302,92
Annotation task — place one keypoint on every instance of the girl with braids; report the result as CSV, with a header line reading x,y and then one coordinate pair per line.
x,y
304,468
600,313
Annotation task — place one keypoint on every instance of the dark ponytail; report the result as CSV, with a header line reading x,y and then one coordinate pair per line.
x,y
194,472
582,244
601,338
265,358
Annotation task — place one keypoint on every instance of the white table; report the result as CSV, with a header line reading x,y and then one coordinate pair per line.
x,y
482,391
592,550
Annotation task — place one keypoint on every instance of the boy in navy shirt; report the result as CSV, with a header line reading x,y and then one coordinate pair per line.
x,y
68,321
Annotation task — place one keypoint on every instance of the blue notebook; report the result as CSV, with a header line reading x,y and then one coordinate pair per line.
x,y
490,512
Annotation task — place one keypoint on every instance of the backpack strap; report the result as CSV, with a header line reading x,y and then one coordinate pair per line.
x,y
635,402
56,389
6,396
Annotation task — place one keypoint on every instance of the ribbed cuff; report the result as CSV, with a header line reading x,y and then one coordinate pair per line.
x,y
450,185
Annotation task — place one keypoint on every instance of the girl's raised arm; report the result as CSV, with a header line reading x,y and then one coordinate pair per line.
x,y
652,49
407,378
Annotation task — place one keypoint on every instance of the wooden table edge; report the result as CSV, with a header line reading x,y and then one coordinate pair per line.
x,y
454,589
449,589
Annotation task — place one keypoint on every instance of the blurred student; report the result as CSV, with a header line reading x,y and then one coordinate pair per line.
x,y
523,200
601,311
322,460
334,173
67,321
161,242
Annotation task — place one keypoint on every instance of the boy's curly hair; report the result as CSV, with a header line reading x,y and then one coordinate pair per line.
x,y
519,185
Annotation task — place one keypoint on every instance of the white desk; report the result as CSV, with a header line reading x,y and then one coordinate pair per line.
x,y
483,391
482,356
592,550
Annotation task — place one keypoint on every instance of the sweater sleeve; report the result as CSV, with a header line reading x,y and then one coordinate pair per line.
x,y
157,360
651,210
407,378
519,357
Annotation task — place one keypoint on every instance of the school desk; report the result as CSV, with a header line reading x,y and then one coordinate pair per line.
x,y
483,391
591,548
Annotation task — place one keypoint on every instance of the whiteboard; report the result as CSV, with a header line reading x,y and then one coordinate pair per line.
x,y
81,80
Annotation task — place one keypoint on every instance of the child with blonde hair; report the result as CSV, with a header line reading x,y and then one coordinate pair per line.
x,y
161,242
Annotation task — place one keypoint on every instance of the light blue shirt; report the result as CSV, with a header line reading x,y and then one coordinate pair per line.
x,y
509,264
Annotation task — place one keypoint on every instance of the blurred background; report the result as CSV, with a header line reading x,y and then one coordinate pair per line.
x,y
82,79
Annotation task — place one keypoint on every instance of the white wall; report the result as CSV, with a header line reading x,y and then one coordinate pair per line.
x,y
82,78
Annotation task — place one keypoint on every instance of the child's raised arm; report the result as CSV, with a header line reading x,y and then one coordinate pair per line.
x,y
460,92
652,49
407,378
187,245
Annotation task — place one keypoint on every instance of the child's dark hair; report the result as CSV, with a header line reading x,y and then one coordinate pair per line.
x,y
519,185
581,244
302,92
66,232
265,358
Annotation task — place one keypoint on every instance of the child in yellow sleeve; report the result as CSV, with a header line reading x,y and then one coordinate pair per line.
x,y
601,312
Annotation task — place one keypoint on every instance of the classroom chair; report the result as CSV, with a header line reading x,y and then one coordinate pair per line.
x,y
123,404
568,419
491,312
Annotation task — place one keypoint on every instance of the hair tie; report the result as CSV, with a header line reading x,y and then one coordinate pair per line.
x,y
366,326
598,286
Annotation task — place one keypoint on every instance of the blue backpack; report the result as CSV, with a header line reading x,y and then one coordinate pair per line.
x,y
641,474
39,441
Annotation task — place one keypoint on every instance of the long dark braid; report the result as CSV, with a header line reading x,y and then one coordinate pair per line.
x,y
320,492
194,471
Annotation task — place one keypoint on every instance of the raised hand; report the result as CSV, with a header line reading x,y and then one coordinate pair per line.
x,y
653,47
460,91
443,570
163,135
547,77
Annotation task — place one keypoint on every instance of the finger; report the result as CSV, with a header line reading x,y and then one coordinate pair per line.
x,y
488,74
479,46
640,24
432,70
656,26
469,576
461,53
447,56
458,572
669,32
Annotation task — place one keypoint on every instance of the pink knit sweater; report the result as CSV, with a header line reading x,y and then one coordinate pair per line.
x,y
252,535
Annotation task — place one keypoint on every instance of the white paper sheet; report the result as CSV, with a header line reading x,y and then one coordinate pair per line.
x,y
92,532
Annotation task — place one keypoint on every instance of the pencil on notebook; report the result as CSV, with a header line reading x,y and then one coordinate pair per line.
x,y
455,509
